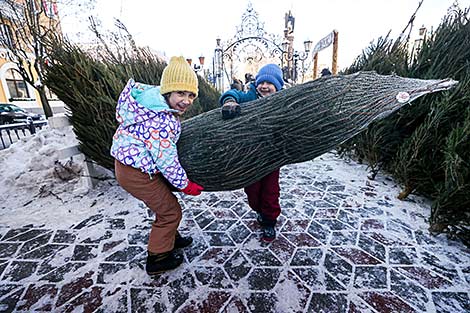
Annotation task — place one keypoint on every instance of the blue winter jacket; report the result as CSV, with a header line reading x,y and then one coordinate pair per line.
x,y
239,96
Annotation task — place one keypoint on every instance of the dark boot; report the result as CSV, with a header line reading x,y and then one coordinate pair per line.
x,y
160,262
182,242
267,228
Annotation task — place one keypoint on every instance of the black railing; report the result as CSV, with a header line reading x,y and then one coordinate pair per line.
x,y
11,133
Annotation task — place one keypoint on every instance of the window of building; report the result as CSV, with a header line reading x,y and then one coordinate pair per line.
x,y
50,8
16,85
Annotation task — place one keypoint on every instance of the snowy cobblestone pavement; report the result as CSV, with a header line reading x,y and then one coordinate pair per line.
x,y
344,244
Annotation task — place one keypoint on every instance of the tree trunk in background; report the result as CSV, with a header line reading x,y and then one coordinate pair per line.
x,y
44,102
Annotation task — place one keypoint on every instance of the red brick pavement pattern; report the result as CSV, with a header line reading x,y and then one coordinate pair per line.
x,y
343,245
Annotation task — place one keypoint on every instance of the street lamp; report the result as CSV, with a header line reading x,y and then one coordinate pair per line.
x,y
418,44
197,67
295,56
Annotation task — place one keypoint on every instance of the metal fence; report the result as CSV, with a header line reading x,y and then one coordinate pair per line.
x,y
11,133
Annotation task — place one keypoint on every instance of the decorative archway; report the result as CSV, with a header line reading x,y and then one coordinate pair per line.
x,y
247,51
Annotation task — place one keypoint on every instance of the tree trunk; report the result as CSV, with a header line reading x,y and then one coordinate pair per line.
x,y
44,101
291,126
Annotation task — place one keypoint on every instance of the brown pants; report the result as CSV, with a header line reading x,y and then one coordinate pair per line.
x,y
156,194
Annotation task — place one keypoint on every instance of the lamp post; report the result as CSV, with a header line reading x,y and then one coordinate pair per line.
x,y
418,44
197,67
292,57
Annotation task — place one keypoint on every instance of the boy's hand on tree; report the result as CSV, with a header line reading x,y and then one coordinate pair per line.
x,y
230,110
192,189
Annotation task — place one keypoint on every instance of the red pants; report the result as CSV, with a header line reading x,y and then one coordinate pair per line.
x,y
263,196
156,194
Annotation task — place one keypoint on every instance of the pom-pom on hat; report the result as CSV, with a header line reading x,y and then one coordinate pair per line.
x,y
270,73
178,76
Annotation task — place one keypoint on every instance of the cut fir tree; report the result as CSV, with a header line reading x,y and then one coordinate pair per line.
x,y
291,126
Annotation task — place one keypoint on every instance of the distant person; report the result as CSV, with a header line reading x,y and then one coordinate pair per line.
x,y
147,164
249,78
236,84
325,72
263,195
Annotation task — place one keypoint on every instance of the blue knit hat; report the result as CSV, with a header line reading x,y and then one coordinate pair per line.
x,y
270,73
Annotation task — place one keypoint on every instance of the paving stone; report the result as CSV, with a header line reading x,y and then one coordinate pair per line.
x,y
213,301
126,254
372,247
338,268
10,295
107,273
35,242
318,279
90,221
343,238
38,298
292,294
261,302
218,239
3,265
319,232
356,256
342,245
74,288
85,252
349,219
237,266
235,305
262,257
370,277
307,257
386,302
24,234
213,277
7,249
282,248
219,225
216,255
409,291
104,235
42,252
115,223
238,232
19,270
403,256
56,274
139,300
451,301
425,277
328,302
64,236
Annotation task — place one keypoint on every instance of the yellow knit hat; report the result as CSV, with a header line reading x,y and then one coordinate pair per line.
x,y
178,76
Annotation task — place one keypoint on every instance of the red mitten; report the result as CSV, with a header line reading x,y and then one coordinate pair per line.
x,y
192,189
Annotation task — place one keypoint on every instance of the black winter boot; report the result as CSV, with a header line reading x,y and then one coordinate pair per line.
x,y
267,228
160,262
182,242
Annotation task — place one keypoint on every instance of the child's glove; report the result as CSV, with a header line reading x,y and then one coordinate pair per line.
x,y
192,189
230,110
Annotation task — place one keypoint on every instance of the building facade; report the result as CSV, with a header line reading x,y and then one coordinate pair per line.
x,y
13,88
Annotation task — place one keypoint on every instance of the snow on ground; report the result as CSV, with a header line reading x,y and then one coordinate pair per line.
x,y
31,193
29,185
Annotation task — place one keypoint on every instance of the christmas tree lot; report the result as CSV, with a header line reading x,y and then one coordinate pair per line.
x,y
425,146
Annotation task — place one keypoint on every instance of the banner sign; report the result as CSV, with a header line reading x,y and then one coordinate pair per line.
x,y
323,43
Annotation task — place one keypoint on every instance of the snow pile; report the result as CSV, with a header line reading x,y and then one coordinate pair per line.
x,y
39,188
